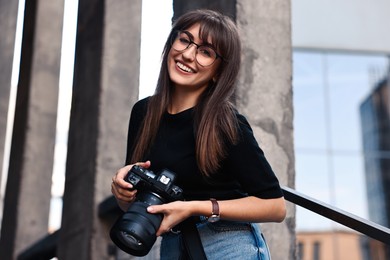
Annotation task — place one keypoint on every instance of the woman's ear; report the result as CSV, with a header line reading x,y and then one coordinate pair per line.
x,y
215,78
217,74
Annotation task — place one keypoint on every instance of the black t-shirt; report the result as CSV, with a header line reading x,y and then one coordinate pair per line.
x,y
244,172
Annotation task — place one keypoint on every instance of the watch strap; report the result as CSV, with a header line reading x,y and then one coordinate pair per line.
x,y
215,207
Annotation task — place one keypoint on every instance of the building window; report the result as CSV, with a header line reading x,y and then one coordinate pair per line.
x,y
300,250
316,250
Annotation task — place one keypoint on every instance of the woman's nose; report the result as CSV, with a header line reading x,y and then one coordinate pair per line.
x,y
190,52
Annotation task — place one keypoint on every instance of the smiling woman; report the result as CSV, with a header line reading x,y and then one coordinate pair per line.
x,y
190,127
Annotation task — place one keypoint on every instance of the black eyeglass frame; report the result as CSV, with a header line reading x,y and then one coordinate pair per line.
x,y
178,32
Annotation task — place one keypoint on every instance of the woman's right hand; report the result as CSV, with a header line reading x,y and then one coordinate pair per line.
x,y
121,189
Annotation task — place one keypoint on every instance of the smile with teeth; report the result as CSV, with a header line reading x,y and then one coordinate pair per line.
x,y
184,67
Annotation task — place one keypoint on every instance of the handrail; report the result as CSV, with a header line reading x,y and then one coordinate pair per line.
x,y
352,221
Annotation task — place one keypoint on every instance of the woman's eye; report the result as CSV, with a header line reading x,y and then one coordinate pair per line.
x,y
184,40
205,52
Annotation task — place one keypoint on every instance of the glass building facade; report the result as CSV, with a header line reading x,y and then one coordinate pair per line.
x,y
342,143
329,89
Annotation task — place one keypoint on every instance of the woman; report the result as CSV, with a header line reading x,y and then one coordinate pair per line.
x,y
190,127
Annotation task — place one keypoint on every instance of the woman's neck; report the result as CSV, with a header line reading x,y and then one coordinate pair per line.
x,y
178,105
183,100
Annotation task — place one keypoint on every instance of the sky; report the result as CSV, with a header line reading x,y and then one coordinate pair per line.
x,y
152,41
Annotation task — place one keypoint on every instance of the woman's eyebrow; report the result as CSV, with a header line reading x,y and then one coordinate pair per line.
x,y
189,34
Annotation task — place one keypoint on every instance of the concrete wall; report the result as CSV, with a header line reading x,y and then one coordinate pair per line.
x,y
265,97
120,81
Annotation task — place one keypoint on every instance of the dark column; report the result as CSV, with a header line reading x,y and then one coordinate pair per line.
x,y
227,7
8,17
27,199
105,86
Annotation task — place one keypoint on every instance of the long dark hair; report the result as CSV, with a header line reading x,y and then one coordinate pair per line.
x,y
215,121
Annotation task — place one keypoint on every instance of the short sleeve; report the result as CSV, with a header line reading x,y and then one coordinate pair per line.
x,y
136,118
248,165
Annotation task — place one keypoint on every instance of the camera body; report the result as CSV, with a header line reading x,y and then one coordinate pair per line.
x,y
135,231
162,184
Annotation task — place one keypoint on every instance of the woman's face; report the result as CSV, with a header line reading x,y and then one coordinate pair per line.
x,y
184,71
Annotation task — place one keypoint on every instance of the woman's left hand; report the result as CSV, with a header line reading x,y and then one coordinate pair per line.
x,y
174,213
251,209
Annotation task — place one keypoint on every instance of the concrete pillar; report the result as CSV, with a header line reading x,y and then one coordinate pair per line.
x,y
27,198
265,97
106,82
8,17
264,93
120,77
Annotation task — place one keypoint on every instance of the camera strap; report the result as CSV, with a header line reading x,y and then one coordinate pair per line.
x,y
191,240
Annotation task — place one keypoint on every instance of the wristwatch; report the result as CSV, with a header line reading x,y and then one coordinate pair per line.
x,y
214,212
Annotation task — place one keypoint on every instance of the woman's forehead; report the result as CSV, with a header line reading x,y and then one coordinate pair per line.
x,y
201,32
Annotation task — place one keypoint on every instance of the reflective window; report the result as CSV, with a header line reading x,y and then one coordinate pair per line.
x,y
329,90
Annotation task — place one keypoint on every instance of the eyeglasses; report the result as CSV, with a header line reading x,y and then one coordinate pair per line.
x,y
205,54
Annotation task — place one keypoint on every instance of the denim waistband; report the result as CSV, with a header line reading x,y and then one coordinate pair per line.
x,y
221,225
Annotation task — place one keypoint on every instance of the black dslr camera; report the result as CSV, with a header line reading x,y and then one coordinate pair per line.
x,y
135,231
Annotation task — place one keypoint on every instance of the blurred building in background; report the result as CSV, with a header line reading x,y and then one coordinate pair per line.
x,y
341,115
375,114
319,245
104,85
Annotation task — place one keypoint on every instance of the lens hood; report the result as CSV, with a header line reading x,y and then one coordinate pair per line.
x,y
135,231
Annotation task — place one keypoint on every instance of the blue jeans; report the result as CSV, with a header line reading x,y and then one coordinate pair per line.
x,y
221,240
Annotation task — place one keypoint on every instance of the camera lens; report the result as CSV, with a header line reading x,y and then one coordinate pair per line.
x,y
129,239
135,231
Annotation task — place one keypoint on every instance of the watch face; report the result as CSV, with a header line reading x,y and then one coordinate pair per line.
x,y
213,218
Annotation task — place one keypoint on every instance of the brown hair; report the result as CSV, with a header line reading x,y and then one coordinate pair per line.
x,y
215,121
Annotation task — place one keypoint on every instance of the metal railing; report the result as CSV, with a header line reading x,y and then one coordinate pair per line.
x,y
347,219
45,248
